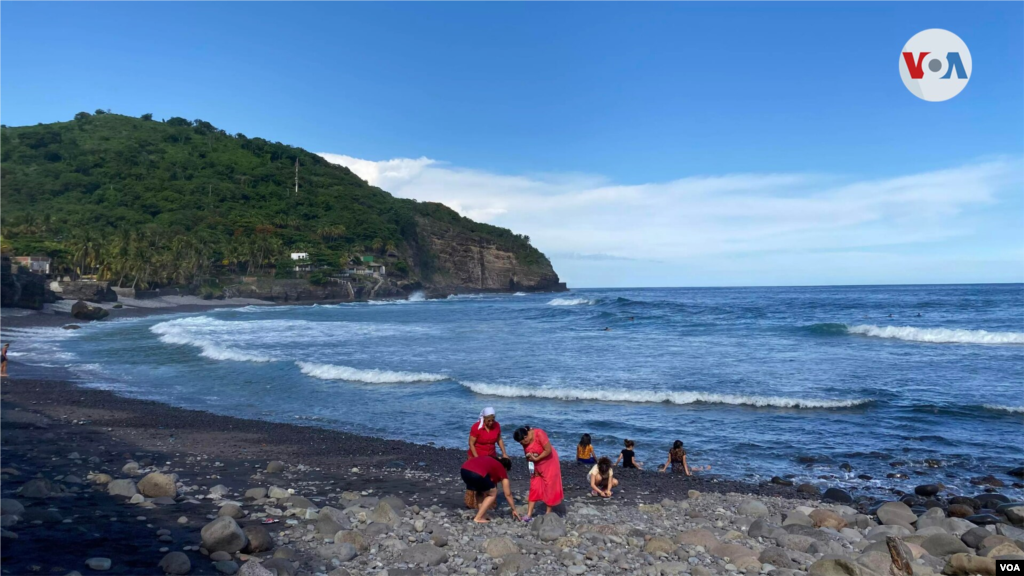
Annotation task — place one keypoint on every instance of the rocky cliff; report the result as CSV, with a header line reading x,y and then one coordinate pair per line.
x,y
22,289
465,262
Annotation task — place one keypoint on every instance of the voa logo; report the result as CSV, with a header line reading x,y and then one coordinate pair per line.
x,y
935,65
1009,567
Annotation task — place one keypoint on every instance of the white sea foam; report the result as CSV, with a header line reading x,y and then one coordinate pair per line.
x,y
520,294
171,333
570,302
208,335
1002,408
371,376
938,335
651,397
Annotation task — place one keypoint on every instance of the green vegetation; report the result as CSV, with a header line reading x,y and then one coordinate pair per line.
x,y
148,203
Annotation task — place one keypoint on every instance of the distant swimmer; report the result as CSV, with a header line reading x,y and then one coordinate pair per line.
x,y
890,315
918,314
607,329
631,318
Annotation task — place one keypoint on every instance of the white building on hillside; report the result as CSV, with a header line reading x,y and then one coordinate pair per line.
x,y
302,263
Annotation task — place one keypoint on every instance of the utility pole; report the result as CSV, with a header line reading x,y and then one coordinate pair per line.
x,y
296,175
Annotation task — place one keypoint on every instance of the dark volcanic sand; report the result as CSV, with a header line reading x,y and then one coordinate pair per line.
x,y
43,422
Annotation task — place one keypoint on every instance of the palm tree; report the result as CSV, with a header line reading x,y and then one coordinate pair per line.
x,y
377,244
331,233
85,251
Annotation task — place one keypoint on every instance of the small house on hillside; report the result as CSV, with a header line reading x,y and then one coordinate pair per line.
x,y
37,264
377,269
302,263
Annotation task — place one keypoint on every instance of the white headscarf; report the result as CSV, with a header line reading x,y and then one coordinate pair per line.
x,y
484,413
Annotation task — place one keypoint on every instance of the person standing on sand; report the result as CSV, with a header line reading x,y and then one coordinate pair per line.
x,y
3,360
546,480
482,476
485,435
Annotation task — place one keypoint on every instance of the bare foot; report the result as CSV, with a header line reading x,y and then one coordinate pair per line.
x,y
481,521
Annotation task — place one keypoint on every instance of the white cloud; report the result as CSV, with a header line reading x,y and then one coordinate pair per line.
x,y
696,218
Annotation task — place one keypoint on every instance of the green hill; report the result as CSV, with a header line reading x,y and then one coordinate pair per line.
x,y
178,201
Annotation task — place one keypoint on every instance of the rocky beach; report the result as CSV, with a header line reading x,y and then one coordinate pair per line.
x,y
98,483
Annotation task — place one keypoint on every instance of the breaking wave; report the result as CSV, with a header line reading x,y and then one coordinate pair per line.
x,y
652,397
371,376
570,302
1002,408
177,332
938,335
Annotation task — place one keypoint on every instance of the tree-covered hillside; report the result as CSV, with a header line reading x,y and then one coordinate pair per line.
x,y
171,202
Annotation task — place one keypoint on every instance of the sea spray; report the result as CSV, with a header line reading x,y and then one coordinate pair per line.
x,y
656,396
570,302
938,335
369,376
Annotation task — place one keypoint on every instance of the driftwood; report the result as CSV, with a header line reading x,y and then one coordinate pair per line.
x,y
900,563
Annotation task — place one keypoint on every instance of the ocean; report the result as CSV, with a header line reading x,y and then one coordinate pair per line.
x,y
756,382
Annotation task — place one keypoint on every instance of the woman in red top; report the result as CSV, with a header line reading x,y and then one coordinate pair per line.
x,y
546,482
482,476
484,435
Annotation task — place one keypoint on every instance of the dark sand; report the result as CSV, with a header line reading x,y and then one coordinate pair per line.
x,y
45,421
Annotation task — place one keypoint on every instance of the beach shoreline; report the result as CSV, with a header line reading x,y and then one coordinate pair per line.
x,y
64,445
66,433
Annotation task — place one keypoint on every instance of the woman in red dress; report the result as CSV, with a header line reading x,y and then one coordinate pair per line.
x,y
546,482
485,435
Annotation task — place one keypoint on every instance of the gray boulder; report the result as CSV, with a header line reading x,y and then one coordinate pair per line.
x,y
516,564
343,551
10,506
83,311
499,547
837,495
1014,513
760,528
836,566
253,568
975,536
548,527
175,563
256,493
125,487
38,487
896,514
280,566
232,510
797,517
223,534
331,520
353,537
753,509
776,557
257,539
384,514
424,554
944,545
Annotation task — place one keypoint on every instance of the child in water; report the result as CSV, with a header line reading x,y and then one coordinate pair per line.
x,y
585,452
628,457
677,461
602,478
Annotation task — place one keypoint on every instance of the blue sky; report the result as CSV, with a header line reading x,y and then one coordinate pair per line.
x,y
637,144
